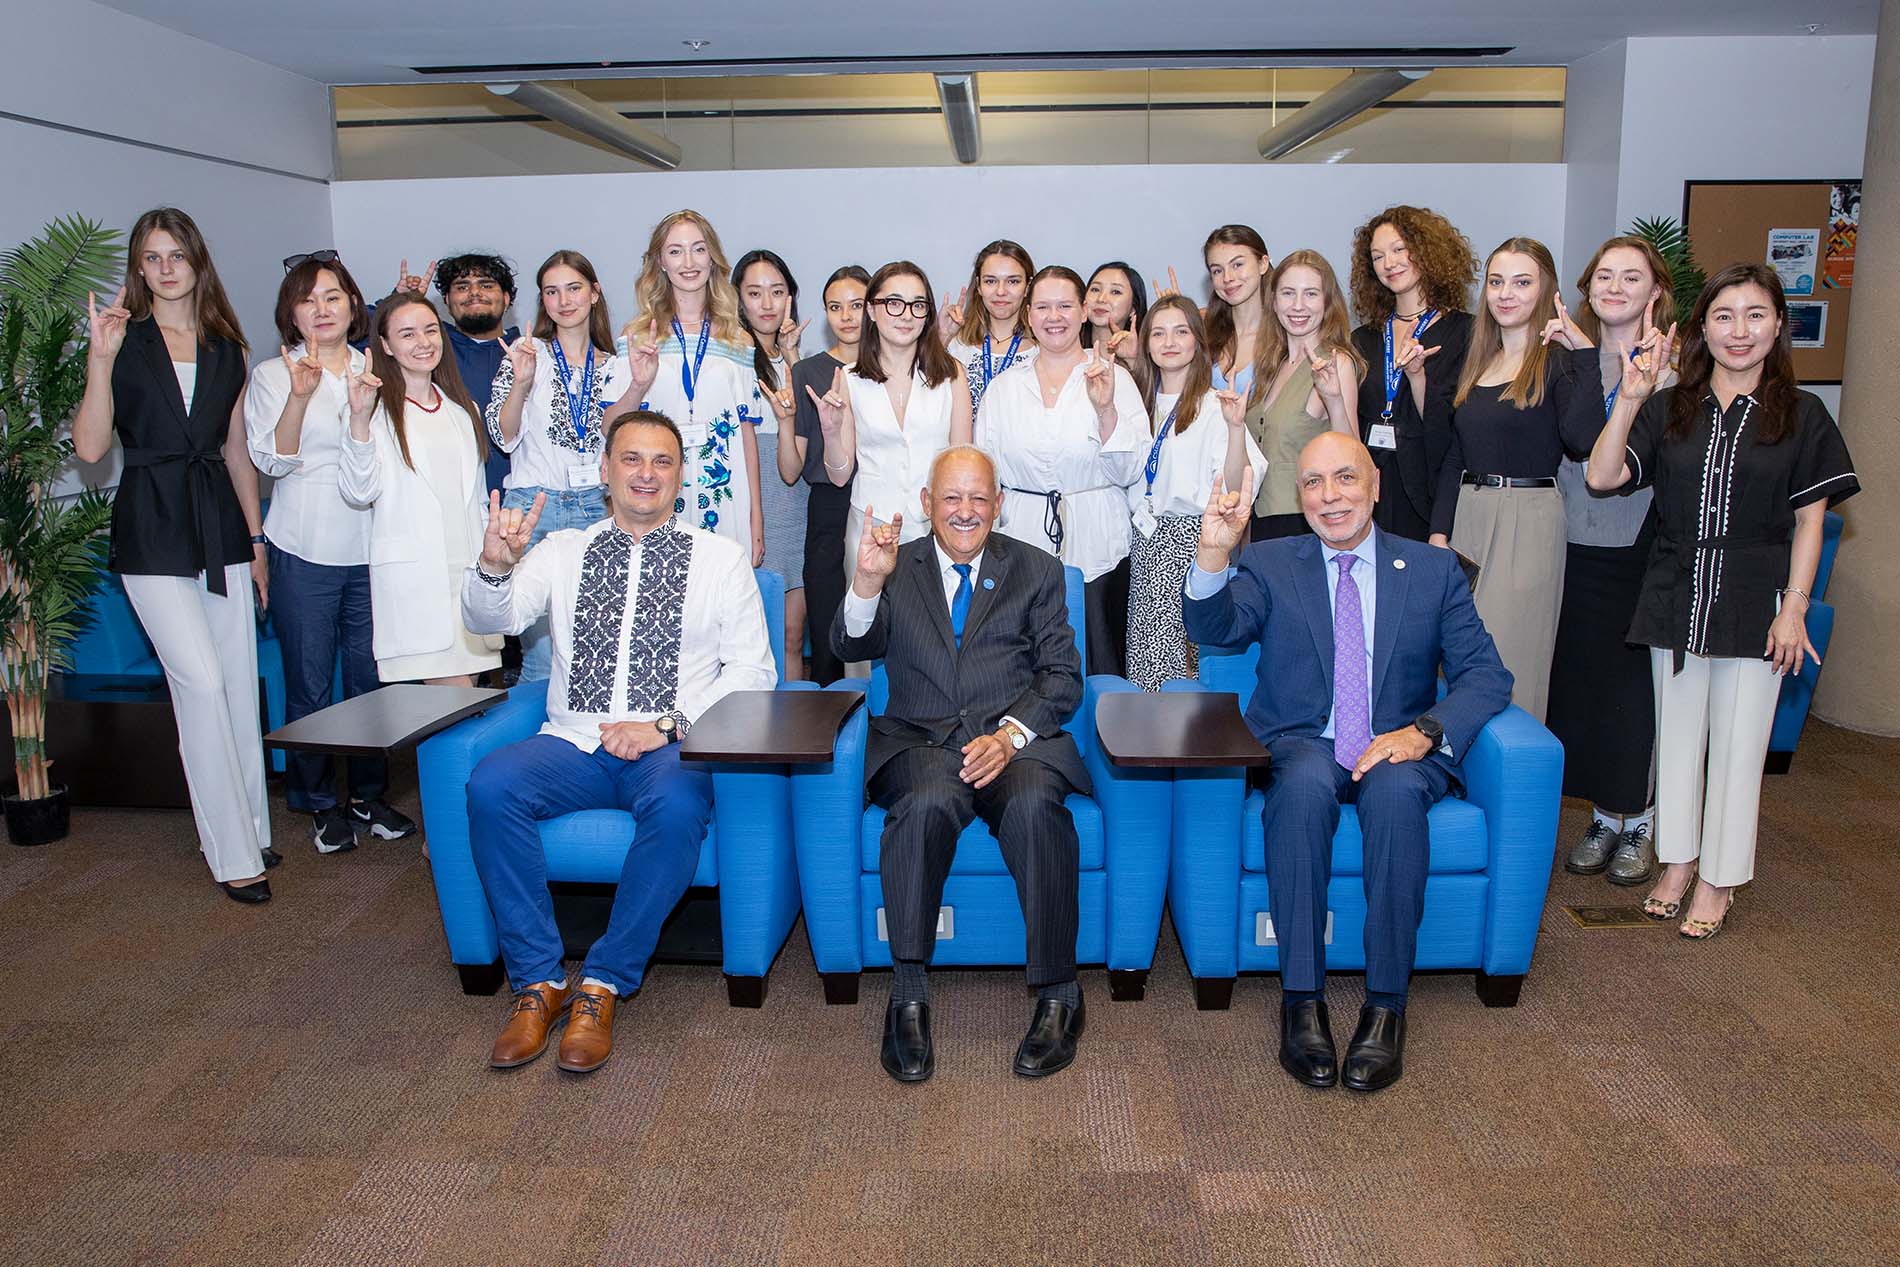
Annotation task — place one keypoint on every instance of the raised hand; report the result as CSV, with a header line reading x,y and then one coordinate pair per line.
x,y
405,280
953,313
1172,288
105,327
306,372
508,534
834,406
877,547
1225,520
521,355
1098,376
1233,408
1326,377
643,355
1647,364
789,332
1564,332
1122,342
782,405
363,392
1410,355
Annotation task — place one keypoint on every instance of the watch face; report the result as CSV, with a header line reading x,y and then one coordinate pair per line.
x,y
664,725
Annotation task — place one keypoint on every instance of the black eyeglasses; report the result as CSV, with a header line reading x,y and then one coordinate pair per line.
x,y
321,257
897,306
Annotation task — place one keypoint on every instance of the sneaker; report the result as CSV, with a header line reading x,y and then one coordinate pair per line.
x,y
383,820
1634,861
1591,854
335,833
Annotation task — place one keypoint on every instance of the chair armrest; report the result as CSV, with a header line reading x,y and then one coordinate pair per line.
x,y
758,876
1797,689
1204,864
1136,805
1514,773
827,814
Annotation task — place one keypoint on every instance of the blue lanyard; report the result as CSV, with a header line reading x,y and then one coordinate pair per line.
x,y
1609,400
1392,372
689,374
1154,454
578,407
1009,357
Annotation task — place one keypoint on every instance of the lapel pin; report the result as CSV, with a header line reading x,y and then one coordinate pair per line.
x,y
989,582
1399,564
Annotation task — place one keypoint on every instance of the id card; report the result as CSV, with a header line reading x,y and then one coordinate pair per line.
x,y
583,475
1382,435
1144,521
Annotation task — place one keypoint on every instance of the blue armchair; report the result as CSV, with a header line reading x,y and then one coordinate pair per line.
x,y
1123,834
747,853
1797,690
1490,861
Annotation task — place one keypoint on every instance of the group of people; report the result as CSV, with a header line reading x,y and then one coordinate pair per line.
x,y
1638,497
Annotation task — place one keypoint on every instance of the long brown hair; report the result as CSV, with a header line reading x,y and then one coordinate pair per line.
x,y
1778,386
446,376
654,293
1446,265
1200,370
211,306
1527,388
976,317
933,359
1665,312
1221,333
1335,329
600,329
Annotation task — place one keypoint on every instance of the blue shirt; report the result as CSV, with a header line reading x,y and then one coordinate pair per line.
x,y
478,359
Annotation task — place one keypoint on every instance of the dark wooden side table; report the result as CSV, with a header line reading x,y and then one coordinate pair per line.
x,y
1186,729
770,727
388,719
112,741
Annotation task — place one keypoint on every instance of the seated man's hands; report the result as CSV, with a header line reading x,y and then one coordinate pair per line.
x,y
985,757
630,740
1393,747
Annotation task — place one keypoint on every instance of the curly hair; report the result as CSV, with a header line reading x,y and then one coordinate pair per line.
x,y
1446,264
654,293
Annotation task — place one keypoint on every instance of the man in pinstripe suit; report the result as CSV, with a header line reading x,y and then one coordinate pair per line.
x,y
975,637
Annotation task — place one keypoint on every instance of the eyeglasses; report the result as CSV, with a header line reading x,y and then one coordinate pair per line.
x,y
897,306
322,257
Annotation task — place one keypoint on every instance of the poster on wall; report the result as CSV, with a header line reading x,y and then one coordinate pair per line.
x,y
1843,227
1795,256
1807,324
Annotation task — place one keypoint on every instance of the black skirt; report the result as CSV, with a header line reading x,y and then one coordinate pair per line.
x,y
1602,703
1105,608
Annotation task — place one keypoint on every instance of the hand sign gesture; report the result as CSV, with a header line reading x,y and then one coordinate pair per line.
x,y
1564,332
521,355
306,372
405,280
1409,355
1122,342
643,355
834,406
1172,288
1233,409
780,403
508,534
877,547
105,327
1647,364
953,313
789,332
1225,520
1098,376
363,392
1326,377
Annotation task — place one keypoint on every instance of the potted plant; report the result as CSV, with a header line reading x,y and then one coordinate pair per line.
x,y
1671,241
52,546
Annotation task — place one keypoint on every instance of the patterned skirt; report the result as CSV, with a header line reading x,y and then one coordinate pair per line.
x,y
1158,649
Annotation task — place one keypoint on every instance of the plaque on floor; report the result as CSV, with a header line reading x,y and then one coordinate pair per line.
x,y
1612,917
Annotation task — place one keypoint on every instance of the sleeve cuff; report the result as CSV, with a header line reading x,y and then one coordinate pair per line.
x,y
1204,584
859,612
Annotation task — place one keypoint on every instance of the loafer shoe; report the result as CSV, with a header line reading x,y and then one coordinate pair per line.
x,y
1306,1043
1375,1057
1049,1046
908,1054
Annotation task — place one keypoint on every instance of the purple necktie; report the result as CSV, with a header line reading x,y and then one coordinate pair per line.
x,y
1352,699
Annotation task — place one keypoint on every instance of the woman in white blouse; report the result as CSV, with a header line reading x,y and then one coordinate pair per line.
x,y
413,456
904,402
991,334
1200,443
553,396
318,544
1067,432
692,361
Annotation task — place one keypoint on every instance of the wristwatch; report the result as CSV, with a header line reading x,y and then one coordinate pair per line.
x,y
672,726
1430,727
1017,739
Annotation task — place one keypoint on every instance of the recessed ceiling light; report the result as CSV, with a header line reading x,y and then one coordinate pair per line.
x,y
696,45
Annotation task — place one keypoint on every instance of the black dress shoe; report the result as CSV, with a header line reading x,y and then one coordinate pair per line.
x,y
271,857
908,1054
1306,1043
1374,1059
1049,1046
252,893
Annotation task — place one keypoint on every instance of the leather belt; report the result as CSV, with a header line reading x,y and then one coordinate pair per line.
x,y
1506,481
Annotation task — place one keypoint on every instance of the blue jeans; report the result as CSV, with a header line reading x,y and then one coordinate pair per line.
x,y
514,789
565,508
322,611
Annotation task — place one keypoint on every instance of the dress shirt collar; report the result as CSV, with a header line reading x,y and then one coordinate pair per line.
x,y
945,563
1366,551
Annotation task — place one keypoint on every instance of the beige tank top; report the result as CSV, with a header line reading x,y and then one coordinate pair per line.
x,y
1281,429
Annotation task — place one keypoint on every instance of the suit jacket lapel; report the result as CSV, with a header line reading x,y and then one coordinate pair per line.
x,y
158,359
995,568
1310,582
1390,586
930,582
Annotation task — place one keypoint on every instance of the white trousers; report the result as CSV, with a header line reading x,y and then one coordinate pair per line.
x,y
208,645
1723,709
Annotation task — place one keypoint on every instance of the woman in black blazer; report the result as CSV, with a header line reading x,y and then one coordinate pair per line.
x,y
166,370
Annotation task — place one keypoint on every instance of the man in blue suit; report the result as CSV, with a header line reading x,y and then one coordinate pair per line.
x,y
1354,626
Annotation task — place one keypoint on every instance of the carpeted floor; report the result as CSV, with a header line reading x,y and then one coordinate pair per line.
x,y
186,1080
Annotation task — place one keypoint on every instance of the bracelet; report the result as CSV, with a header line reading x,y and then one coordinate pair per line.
x,y
842,466
260,540
1806,597
482,575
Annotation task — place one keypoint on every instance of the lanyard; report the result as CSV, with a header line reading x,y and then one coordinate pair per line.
x,y
578,406
1154,454
1609,399
689,374
1009,357
1392,372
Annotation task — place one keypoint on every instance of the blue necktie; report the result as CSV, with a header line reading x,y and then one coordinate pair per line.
x,y
960,603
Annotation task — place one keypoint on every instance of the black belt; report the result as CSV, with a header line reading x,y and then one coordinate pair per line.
x,y
202,466
1051,517
1506,481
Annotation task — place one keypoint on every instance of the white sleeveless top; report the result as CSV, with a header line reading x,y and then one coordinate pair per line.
x,y
894,461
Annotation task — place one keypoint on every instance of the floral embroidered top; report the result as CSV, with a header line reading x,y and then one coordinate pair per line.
x,y
724,396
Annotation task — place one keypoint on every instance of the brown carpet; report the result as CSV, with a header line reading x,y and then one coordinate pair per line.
x,y
188,1081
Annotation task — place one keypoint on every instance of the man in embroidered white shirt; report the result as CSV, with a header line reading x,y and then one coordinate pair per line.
x,y
651,623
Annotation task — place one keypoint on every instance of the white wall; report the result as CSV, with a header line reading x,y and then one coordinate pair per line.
x,y
1079,216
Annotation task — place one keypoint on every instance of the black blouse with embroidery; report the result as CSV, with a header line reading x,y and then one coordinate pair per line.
x,y
1725,506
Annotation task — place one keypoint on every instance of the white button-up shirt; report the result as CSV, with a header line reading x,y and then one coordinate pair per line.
x,y
308,516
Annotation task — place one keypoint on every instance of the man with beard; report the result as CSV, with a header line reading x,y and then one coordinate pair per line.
x,y
478,290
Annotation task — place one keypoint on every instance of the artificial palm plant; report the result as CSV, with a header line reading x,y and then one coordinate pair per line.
x,y
1671,241
51,546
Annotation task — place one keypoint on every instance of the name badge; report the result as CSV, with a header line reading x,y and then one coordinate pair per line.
x,y
1381,435
1144,519
693,434
583,475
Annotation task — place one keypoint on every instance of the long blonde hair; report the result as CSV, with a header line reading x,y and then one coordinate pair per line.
x,y
1487,340
1335,328
654,293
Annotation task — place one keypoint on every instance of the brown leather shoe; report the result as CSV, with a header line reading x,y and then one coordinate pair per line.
x,y
589,1039
538,1009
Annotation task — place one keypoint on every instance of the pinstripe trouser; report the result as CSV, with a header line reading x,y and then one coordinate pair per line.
x,y
927,806
1308,786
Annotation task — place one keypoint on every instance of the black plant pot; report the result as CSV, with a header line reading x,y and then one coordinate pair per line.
x,y
40,821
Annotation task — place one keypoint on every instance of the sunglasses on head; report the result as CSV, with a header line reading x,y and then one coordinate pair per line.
x,y
321,257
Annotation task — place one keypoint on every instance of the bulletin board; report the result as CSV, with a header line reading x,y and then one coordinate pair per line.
x,y
1805,230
